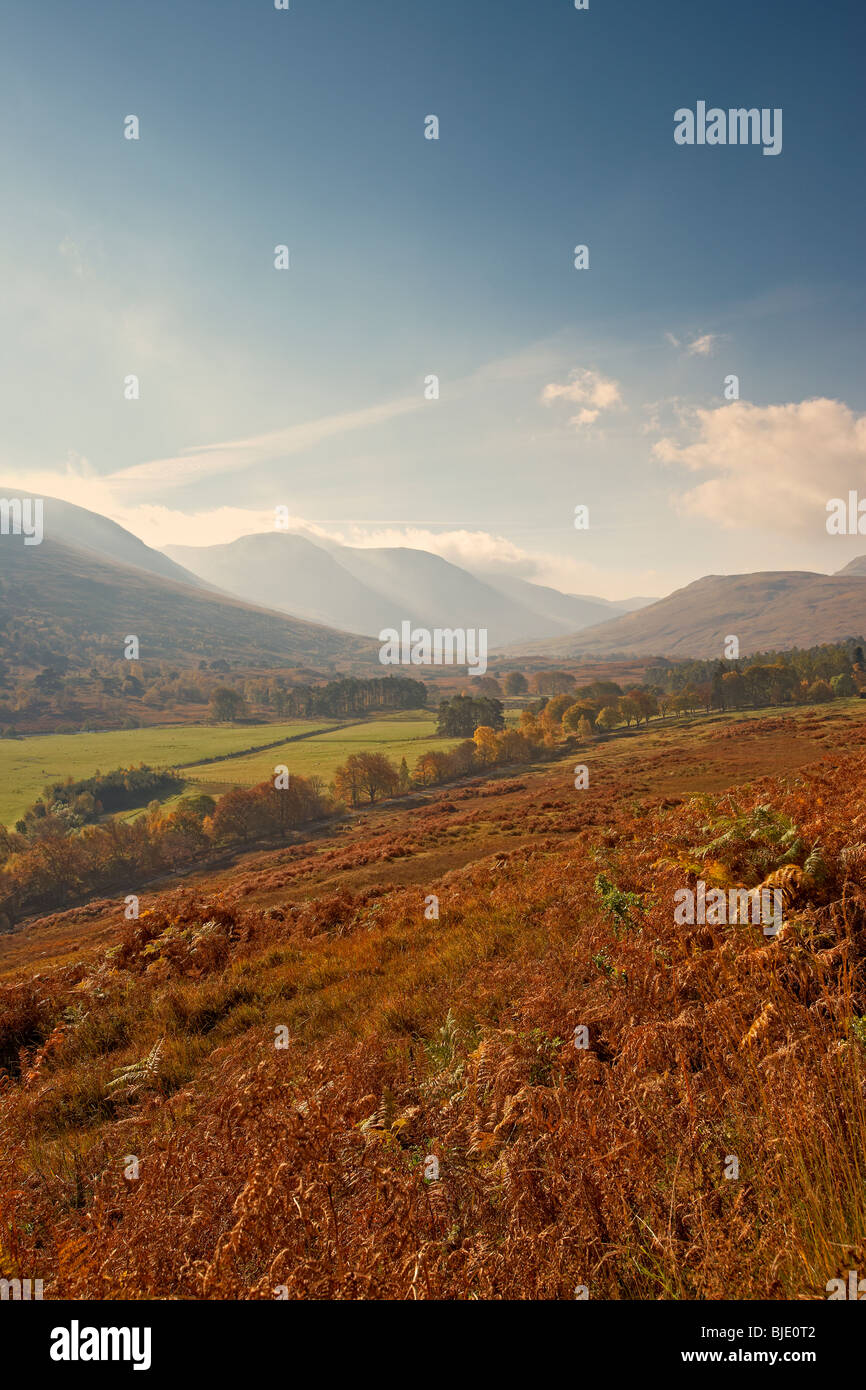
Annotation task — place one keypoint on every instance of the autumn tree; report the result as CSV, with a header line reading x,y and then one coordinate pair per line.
x,y
433,768
463,758
366,775
609,718
646,703
485,744
581,710
628,709
512,747
843,685
516,683
552,682
551,715
530,727
225,704
734,688
819,693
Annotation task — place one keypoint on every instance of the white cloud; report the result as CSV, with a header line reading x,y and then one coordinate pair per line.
x,y
703,346
588,388
773,466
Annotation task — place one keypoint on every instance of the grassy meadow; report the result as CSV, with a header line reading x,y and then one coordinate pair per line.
x,y
27,765
407,735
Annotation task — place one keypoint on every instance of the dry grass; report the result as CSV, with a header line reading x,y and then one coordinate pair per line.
x,y
303,1168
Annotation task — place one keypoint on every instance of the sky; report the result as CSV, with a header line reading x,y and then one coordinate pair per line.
x,y
409,257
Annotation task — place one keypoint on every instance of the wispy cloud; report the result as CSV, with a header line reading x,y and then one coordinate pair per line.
x,y
703,346
206,461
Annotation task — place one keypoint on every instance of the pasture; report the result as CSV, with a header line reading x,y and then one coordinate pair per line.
x,y
405,735
27,765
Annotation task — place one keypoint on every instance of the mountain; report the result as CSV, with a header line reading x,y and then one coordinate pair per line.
x,y
568,611
767,611
366,590
85,530
857,566
629,605
58,600
287,572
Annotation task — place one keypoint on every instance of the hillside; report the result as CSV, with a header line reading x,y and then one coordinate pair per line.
x,y
364,590
773,610
571,611
59,602
81,529
432,1129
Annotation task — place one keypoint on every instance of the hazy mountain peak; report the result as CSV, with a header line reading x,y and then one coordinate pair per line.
x,y
367,588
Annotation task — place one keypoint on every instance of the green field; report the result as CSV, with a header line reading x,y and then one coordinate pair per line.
x,y
404,735
27,765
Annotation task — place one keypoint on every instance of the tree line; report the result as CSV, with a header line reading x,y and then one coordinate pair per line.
x,y
771,677
84,801
59,862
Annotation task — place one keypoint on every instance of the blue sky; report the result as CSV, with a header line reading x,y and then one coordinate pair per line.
x,y
305,388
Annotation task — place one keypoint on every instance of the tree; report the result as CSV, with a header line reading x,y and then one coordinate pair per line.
x,y
487,685
584,730
735,689
369,775
463,758
600,692
512,747
705,694
530,727
242,814
433,768
199,805
819,693
460,716
572,717
609,718
516,683
646,703
485,744
551,715
552,682
225,704
628,709
843,685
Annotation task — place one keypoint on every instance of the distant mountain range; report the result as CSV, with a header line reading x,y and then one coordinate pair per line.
x,y
366,589
283,598
767,611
